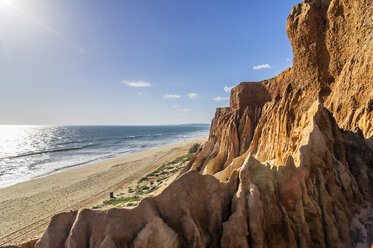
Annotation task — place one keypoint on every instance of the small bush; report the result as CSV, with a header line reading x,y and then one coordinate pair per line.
x,y
194,148
154,188
179,159
116,201
143,179
145,187
188,157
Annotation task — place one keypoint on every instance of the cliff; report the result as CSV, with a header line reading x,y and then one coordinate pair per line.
x,y
288,164
333,58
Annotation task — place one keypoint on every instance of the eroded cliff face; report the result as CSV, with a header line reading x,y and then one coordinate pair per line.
x,y
179,216
321,197
333,58
232,129
288,164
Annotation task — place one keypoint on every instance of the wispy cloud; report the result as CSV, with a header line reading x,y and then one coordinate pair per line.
x,y
228,89
220,98
176,106
193,95
264,66
137,84
185,110
170,96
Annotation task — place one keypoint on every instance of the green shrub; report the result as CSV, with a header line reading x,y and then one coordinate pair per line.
x,y
116,201
145,187
143,179
154,188
188,157
194,148
131,204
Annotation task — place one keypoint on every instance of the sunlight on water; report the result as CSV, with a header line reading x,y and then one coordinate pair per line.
x,y
8,132
15,140
23,149
12,138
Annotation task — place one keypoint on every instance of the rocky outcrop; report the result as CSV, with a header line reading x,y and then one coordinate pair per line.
x,y
179,216
333,59
232,129
349,42
252,94
288,164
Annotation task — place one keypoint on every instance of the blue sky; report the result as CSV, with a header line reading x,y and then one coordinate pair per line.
x,y
77,62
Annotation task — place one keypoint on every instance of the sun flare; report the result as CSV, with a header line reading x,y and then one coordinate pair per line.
x,y
5,3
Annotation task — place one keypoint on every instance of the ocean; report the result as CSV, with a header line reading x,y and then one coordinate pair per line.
x,y
28,152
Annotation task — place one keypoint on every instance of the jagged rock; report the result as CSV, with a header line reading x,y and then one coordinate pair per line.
x,y
156,234
332,43
252,94
179,216
231,134
309,203
60,226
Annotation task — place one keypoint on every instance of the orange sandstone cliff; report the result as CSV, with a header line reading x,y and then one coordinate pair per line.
x,y
288,164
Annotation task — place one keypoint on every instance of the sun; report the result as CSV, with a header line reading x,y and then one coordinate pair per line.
x,y
5,3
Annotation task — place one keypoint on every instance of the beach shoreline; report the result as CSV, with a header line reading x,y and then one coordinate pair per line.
x,y
26,208
30,152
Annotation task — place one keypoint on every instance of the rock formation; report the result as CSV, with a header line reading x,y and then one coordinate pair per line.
x,y
288,164
333,59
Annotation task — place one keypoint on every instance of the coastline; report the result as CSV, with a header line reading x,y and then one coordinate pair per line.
x,y
26,208
37,152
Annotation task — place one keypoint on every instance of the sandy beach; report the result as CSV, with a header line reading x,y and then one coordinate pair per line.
x,y
26,208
